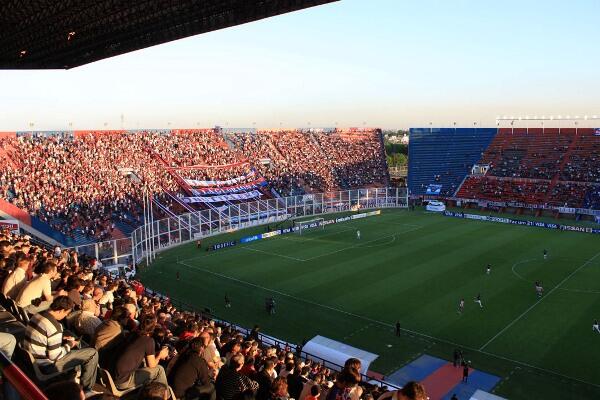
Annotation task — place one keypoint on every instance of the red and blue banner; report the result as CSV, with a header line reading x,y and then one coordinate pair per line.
x,y
226,197
231,189
227,182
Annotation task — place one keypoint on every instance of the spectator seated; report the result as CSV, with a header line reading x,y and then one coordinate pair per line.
x,y
145,343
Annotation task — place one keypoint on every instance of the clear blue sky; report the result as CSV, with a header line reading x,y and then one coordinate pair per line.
x,y
387,63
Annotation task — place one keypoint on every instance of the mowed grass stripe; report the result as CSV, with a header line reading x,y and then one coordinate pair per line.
x,y
417,279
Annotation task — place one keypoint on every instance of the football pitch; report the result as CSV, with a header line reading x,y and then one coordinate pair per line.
x,y
414,267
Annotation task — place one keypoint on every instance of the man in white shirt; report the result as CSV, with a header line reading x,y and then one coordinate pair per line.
x,y
17,279
38,288
211,354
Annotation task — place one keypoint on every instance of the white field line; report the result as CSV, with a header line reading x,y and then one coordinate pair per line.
x,y
514,271
384,324
301,239
539,301
361,243
273,254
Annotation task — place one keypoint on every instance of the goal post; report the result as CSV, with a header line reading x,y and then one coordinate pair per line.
x,y
301,226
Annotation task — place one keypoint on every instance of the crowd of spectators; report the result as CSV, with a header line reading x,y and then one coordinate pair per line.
x,y
558,170
299,161
532,155
503,190
83,184
583,164
103,325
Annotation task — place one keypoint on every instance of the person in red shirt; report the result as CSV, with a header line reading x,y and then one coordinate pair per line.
x,y
314,393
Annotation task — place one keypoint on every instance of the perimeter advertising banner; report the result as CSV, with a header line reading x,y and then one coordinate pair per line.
x,y
11,224
433,189
537,224
285,231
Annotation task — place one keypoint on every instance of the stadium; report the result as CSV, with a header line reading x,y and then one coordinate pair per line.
x,y
302,263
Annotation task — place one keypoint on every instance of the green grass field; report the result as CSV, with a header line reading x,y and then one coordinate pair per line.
x,y
415,267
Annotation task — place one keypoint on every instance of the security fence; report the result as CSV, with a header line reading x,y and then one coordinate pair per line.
x,y
162,234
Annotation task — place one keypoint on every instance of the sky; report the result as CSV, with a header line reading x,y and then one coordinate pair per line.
x,y
380,63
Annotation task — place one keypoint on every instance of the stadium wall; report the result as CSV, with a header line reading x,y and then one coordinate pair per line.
x,y
32,224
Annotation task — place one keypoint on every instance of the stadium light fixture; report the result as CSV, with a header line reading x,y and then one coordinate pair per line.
x,y
551,117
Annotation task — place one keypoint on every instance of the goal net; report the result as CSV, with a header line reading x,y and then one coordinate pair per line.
x,y
300,227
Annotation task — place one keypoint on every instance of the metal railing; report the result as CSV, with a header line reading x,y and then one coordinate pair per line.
x,y
267,340
166,233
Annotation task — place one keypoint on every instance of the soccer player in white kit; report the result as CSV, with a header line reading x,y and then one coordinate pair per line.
x,y
478,300
358,235
595,326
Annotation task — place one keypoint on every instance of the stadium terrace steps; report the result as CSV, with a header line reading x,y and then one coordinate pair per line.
x,y
444,156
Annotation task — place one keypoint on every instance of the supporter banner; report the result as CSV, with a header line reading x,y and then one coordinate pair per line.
x,y
204,166
313,224
537,224
11,224
433,189
228,182
223,245
232,189
226,197
567,210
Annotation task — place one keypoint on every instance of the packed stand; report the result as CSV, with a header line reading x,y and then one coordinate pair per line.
x,y
111,336
299,161
82,184
583,164
550,168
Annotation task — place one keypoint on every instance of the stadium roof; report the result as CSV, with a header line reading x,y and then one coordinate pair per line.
x,y
57,34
